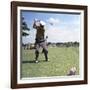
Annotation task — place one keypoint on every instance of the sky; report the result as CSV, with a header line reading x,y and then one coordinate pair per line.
x,y
59,27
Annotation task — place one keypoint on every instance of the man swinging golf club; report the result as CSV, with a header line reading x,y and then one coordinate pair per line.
x,y
40,41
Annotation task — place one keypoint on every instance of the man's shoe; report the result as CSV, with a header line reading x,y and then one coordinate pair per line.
x,y
47,59
36,61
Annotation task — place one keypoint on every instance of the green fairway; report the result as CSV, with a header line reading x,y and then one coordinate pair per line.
x,y
61,59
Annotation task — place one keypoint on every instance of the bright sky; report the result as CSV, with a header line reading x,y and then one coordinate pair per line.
x,y
60,27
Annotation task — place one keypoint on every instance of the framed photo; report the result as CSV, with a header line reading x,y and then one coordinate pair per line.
x,y
48,44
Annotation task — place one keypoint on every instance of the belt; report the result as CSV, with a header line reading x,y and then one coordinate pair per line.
x,y
40,40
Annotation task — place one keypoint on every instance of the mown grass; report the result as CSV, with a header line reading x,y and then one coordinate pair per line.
x,y
61,59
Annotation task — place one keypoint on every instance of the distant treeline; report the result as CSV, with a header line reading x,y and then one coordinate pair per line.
x,y
50,44
61,44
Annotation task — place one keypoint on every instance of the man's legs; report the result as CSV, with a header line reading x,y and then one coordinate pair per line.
x,y
37,52
45,50
45,54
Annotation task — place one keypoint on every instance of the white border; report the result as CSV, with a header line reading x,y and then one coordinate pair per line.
x,y
55,78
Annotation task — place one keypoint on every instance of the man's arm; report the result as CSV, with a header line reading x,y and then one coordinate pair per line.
x,y
34,25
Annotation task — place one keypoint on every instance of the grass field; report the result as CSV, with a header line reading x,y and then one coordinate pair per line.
x,y
61,59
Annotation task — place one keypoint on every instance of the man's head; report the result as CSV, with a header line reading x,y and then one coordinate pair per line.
x,y
42,23
39,22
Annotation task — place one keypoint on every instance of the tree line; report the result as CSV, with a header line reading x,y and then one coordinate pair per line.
x,y
63,44
50,44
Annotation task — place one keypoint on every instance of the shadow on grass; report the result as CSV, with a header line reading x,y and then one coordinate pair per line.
x,y
28,61
33,61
